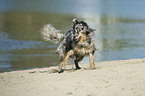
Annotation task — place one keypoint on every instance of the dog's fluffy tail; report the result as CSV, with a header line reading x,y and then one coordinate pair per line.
x,y
49,33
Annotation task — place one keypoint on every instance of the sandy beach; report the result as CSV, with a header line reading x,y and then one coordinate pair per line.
x,y
110,78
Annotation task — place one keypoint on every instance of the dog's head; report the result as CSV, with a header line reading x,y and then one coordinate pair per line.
x,y
81,30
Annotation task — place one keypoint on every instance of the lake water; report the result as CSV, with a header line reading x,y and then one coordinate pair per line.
x,y
119,24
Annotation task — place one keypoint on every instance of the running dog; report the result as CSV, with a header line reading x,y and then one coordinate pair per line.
x,y
75,43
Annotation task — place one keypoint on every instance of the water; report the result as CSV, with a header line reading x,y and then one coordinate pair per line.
x,y
119,25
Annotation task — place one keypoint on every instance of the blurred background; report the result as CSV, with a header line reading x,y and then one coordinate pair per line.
x,y
119,24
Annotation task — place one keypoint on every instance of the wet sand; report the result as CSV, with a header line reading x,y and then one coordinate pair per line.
x,y
110,78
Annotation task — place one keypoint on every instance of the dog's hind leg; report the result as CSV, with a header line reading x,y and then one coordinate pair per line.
x,y
60,64
92,65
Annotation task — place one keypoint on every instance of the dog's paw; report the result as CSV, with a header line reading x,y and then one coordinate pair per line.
x,y
61,71
78,68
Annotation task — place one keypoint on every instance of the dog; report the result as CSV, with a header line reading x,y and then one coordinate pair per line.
x,y
76,43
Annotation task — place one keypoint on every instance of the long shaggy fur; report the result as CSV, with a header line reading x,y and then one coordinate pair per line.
x,y
49,33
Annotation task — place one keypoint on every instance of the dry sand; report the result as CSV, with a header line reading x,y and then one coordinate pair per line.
x,y
110,78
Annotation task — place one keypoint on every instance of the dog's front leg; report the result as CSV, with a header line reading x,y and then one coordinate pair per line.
x,y
63,60
92,65
76,63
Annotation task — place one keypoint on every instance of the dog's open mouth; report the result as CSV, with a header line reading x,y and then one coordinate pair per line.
x,y
82,35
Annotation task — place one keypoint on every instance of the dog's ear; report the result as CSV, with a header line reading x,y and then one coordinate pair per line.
x,y
84,23
75,21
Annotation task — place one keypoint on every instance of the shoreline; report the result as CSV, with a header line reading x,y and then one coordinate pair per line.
x,y
110,78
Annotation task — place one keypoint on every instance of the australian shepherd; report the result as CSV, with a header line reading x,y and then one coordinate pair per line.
x,y
76,43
